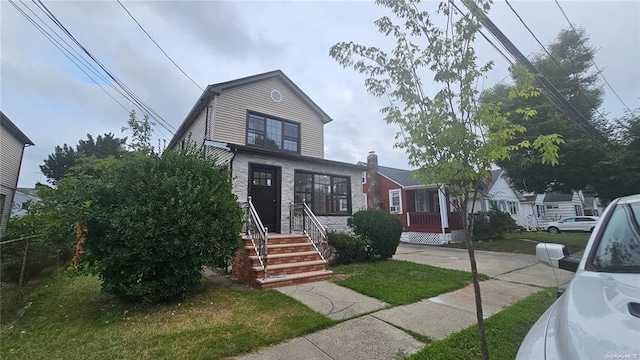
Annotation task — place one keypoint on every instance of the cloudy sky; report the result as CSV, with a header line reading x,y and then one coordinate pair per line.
x,y
53,102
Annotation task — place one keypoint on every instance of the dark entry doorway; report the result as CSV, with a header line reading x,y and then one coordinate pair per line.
x,y
264,189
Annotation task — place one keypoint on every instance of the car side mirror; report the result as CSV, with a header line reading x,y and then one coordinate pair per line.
x,y
557,256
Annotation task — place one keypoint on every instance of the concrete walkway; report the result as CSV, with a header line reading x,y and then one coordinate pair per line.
x,y
380,334
336,302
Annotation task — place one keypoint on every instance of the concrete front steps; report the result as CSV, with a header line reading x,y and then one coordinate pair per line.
x,y
291,260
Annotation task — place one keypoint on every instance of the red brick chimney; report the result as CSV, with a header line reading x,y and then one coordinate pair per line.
x,y
373,193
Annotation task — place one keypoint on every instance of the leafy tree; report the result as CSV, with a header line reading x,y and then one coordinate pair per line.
x,y
64,158
581,158
102,147
141,133
151,222
620,172
444,134
57,164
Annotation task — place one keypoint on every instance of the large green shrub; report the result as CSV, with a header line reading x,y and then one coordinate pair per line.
x,y
348,249
380,228
152,221
492,225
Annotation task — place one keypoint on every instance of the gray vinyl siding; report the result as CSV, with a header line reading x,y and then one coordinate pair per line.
x,y
230,114
10,156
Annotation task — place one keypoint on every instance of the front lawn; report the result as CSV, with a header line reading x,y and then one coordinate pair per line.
x,y
525,243
400,282
71,319
505,331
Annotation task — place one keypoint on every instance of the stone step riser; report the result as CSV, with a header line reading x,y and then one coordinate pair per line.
x,y
288,260
284,240
283,250
296,281
291,270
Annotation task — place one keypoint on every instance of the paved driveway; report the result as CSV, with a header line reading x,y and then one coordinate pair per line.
x,y
516,268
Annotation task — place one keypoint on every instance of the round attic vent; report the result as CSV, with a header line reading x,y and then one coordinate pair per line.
x,y
276,96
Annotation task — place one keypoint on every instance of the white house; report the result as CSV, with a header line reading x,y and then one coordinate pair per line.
x,y
511,201
555,206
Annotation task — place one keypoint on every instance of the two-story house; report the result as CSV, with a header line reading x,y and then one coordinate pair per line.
x,y
271,136
12,143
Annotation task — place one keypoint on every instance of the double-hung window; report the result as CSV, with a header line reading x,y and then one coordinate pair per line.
x,y
267,132
395,201
325,194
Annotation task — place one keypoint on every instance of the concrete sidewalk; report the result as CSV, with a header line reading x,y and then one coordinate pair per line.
x,y
380,334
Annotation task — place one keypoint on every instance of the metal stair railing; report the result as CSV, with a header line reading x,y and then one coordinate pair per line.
x,y
258,234
302,219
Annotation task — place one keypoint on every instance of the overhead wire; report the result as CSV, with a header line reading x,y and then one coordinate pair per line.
x,y
62,49
159,47
79,61
550,90
66,51
138,101
600,72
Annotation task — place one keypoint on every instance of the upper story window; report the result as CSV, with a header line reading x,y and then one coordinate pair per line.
x,y
270,133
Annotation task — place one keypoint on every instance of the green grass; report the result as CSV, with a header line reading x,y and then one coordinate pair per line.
x,y
505,331
400,282
71,319
513,243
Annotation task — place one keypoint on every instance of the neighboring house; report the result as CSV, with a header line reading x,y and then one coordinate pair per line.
x,y
532,211
12,144
271,136
21,198
521,208
592,205
556,206
423,210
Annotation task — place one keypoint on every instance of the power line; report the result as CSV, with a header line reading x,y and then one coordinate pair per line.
x,y
550,91
159,47
485,37
139,103
593,62
79,61
67,53
61,48
549,54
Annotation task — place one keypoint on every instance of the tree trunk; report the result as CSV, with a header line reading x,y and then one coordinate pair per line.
x,y
476,283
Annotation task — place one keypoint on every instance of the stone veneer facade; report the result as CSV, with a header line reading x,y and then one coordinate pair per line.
x,y
240,175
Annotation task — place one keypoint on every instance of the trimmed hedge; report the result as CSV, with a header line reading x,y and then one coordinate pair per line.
x,y
381,229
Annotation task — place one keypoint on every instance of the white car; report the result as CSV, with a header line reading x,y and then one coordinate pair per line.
x,y
576,223
598,315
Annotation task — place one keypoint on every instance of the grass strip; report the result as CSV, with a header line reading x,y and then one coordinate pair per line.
x,y
400,282
505,331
